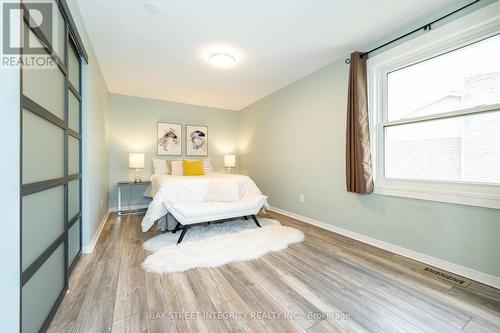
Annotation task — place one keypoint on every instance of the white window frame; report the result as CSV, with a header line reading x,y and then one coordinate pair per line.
x,y
471,28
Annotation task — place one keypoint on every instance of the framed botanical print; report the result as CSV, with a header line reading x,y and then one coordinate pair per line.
x,y
196,140
169,139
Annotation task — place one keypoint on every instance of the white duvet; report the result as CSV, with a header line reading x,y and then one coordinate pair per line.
x,y
212,187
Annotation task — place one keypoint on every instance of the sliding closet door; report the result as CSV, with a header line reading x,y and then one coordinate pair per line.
x,y
74,151
51,177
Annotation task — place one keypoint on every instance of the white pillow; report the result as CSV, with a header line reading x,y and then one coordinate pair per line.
x,y
207,166
176,168
160,167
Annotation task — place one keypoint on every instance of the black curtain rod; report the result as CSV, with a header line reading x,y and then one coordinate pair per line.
x,y
425,27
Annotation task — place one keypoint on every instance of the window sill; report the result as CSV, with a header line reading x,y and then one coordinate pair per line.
x,y
487,196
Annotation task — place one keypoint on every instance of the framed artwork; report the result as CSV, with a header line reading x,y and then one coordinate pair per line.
x,y
169,139
196,140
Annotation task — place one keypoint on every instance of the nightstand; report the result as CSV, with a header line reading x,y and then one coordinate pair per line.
x,y
129,184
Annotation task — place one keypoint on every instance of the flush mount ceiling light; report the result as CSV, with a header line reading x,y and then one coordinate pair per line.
x,y
221,60
152,7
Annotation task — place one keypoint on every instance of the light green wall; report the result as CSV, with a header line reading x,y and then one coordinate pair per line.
x,y
133,127
10,198
293,142
95,136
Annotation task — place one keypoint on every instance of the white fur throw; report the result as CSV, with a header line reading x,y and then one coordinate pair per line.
x,y
218,244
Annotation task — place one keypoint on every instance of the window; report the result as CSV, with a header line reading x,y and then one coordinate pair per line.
x,y
435,116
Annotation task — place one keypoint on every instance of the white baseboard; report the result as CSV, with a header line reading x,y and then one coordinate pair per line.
x,y
90,248
133,207
436,262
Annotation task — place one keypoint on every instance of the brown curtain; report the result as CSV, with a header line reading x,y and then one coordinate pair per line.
x,y
359,178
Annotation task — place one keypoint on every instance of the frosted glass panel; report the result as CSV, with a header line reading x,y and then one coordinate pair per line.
x,y
61,35
73,155
73,198
463,149
40,293
74,242
74,68
51,31
45,86
43,222
74,112
43,149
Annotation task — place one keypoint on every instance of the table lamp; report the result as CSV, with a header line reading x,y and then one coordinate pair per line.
x,y
229,162
136,161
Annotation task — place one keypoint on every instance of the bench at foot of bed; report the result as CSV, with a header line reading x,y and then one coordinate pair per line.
x,y
190,214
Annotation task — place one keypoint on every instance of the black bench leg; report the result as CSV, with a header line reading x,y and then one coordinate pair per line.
x,y
177,226
256,221
182,234
246,218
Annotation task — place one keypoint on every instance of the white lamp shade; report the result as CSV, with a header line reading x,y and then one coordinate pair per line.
x,y
136,161
229,161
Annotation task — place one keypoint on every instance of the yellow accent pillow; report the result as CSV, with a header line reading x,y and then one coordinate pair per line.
x,y
193,168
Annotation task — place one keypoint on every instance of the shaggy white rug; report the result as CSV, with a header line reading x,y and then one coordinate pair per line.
x,y
217,244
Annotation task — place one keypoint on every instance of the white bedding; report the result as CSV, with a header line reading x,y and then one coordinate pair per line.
x,y
211,187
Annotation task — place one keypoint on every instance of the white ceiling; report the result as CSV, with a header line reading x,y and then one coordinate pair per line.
x,y
276,42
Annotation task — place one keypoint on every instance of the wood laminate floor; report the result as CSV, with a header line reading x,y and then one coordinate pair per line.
x,y
328,283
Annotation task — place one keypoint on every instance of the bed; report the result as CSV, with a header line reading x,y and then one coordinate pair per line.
x,y
167,190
